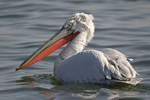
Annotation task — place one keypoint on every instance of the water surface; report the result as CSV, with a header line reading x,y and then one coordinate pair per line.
x,y
26,24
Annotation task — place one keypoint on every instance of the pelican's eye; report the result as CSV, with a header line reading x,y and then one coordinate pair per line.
x,y
70,25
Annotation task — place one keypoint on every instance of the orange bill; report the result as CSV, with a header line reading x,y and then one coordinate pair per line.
x,y
62,37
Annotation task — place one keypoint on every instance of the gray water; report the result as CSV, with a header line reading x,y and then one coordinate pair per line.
x,y
26,24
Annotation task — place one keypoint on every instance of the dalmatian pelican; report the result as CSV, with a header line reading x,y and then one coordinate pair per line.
x,y
75,65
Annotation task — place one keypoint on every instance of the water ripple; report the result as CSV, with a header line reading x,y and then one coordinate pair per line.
x,y
27,24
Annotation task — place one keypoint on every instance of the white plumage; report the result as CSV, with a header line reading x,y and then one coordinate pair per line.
x,y
91,66
75,65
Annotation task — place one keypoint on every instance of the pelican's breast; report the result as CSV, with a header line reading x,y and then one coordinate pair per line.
x,y
88,66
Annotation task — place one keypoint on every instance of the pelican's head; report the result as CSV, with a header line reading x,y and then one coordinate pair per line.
x,y
76,24
80,22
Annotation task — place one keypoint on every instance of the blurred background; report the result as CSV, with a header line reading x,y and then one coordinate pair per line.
x,y
26,24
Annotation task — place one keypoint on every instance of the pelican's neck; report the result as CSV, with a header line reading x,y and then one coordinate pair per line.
x,y
75,46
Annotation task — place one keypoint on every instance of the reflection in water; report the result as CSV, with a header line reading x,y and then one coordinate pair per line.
x,y
54,88
47,93
50,98
87,94
47,78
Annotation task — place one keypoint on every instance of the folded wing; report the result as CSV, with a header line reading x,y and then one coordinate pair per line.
x,y
91,66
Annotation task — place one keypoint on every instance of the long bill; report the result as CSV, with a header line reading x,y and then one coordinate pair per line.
x,y
62,37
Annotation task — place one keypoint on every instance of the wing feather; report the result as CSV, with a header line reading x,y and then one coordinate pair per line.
x,y
124,66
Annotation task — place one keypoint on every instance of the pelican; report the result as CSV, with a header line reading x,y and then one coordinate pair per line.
x,y
75,65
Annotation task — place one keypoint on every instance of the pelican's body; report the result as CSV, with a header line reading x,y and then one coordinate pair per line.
x,y
92,66
75,65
